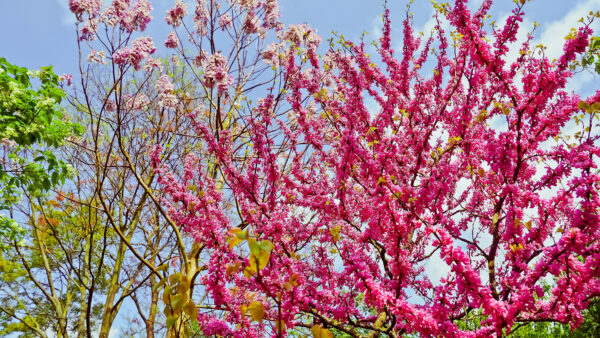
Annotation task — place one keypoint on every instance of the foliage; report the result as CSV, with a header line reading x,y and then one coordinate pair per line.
x,y
41,288
592,57
590,326
31,124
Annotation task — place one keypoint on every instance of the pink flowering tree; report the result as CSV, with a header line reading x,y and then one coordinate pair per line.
x,y
321,191
128,100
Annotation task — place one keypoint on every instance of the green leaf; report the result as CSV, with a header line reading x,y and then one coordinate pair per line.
x,y
171,320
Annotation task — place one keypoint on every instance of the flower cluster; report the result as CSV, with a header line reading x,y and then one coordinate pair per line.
x,y
172,40
225,21
176,14
216,73
166,90
80,7
134,55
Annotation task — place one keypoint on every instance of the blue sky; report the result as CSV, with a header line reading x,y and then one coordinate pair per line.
x,y
35,33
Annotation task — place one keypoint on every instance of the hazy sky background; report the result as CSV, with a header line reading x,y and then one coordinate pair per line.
x,y
36,33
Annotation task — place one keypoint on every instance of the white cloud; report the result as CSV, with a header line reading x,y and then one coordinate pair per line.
x,y
67,19
553,38
555,31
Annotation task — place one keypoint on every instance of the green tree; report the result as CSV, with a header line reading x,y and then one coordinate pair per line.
x,y
31,124
590,327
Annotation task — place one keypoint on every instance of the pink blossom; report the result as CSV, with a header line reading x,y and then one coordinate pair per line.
x,y
110,106
66,77
165,89
271,13
139,16
225,21
271,54
134,55
251,23
176,14
362,171
137,102
172,40
248,4
96,56
216,72
79,7
89,29
201,17
151,64
129,17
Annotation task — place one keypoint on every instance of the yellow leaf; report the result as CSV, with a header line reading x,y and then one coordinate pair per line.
x,y
248,272
259,262
175,278
191,310
257,311
266,245
253,246
335,232
171,321
178,301
319,332
237,236
232,268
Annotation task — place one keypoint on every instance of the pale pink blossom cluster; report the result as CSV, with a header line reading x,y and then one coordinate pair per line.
x,y
68,78
151,63
89,29
80,7
134,55
97,56
110,106
201,17
225,21
301,34
252,23
136,102
248,4
139,16
129,17
271,54
166,92
175,15
216,73
271,8
172,40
